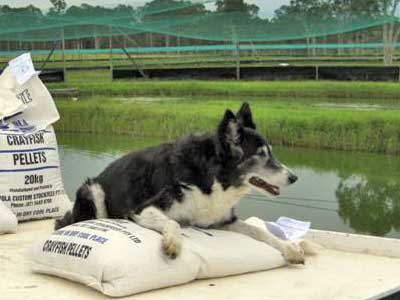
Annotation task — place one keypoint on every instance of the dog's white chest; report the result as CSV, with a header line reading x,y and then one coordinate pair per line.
x,y
204,210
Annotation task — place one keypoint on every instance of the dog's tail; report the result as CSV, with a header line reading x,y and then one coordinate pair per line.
x,y
88,197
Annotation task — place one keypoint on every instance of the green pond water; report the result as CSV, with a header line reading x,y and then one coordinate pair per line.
x,y
340,191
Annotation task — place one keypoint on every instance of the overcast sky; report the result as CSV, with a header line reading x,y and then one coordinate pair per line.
x,y
267,7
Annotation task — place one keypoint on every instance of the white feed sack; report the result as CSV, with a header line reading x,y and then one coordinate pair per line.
x,y
119,258
8,221
30,178
39,109
9,103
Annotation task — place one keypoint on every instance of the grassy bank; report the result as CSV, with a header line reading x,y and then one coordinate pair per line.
x,y
284,123
93,83
184,59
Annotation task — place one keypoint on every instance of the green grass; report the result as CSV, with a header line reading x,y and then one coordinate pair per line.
x,y
287,123
285,111
220,58
93,83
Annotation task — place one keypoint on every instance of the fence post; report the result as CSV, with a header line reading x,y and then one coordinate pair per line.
x,y
237,61
111,51
399,74
63,49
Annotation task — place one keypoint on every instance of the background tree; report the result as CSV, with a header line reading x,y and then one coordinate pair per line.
x,y
237,6
315,14
305,18
18,18
91,12
390,30
384,10
170,13
370,207
59,6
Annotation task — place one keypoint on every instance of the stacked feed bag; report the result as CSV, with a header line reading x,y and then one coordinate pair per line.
x,y
30,178
120,258
30,105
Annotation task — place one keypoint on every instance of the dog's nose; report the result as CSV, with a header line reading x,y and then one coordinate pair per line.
x,y
292,178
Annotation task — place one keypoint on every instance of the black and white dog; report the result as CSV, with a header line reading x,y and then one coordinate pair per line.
x,y
194,181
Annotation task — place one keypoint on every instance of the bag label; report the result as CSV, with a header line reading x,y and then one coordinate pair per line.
x,y
25,97
30,179
22,68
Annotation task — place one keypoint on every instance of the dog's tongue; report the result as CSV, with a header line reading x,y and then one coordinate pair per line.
x,y
258,182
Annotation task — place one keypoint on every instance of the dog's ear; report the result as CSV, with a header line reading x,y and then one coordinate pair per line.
x,y
245,116
230,135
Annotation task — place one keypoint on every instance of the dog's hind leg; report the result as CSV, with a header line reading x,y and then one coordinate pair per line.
x,y
153,218
292,253
89,204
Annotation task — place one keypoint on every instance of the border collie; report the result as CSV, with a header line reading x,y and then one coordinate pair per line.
x,y
194,181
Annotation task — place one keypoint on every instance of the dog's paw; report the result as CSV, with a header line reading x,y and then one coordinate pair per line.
x,y
172,240
171,246
293,254
311,248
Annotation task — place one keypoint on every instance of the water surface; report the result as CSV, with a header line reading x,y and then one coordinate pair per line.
x,y
341,191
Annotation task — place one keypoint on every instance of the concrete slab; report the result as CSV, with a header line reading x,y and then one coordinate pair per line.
x,y
369,268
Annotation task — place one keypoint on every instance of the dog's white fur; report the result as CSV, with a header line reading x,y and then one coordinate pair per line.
x,y
154,219
292,252
98,200
203,210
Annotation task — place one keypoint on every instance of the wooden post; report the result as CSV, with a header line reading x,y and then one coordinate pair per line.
x,y
235,42
63,50
399,74
111,51
237,61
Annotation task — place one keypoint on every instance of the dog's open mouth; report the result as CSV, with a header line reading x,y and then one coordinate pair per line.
x,y
270,188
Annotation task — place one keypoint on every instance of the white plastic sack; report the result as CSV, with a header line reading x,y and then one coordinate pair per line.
x,y
39,110
8,221
9,103
30,178
119,258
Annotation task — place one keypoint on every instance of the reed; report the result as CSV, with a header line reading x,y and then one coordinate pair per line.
x,y
289,124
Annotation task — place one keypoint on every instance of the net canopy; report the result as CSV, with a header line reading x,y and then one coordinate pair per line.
x,y
167,26
182,19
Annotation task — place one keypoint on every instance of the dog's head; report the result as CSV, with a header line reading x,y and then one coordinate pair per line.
x,y
249,155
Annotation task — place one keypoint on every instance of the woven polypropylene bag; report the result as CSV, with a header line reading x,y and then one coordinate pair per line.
x,y
120,258
30,178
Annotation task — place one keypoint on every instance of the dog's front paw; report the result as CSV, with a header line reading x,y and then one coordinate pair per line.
x,y
172,240
293,254
171,246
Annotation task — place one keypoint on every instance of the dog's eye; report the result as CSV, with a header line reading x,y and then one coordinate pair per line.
x,y
262,152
